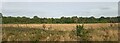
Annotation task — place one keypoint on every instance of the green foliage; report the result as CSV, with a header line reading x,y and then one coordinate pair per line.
x,y
79,30
74,19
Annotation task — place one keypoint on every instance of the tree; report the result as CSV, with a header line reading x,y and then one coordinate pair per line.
x,y
102,19
92,19
75,19
1,15
62,19
118,19
1,18
36,19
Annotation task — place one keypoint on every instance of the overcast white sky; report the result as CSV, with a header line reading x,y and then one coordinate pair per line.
x,y
51,8
0,6
60,0
58,9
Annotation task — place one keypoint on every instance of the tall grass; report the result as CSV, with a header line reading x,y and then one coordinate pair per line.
x,y
80,34
100,34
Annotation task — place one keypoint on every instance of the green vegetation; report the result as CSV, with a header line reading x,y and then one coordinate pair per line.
x,y
99,34
36,34
80,30
74,19
44,34
31,34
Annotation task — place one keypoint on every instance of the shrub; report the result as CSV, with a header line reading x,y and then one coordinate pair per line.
x,y
79,30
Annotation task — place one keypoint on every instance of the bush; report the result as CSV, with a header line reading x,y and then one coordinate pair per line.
x,y
79,30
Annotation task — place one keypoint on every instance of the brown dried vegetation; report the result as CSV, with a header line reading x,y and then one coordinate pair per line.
x,y
59,32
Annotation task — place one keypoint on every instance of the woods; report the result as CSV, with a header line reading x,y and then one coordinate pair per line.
x,y
62,20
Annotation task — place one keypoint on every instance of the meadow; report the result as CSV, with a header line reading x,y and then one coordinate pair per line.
x,y
60,32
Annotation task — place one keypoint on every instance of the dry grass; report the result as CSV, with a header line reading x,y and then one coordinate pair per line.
x,y
35,32
63,27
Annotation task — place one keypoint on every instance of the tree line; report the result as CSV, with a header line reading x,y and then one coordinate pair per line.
x,y
62,20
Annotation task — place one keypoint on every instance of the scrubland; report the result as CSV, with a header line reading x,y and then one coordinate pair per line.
x,y
60,32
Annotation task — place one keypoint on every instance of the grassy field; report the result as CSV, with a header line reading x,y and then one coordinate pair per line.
x,y
63,27
59,32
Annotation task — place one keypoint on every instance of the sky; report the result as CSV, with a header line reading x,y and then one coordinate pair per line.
x,y
60,0
0,6
60,8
